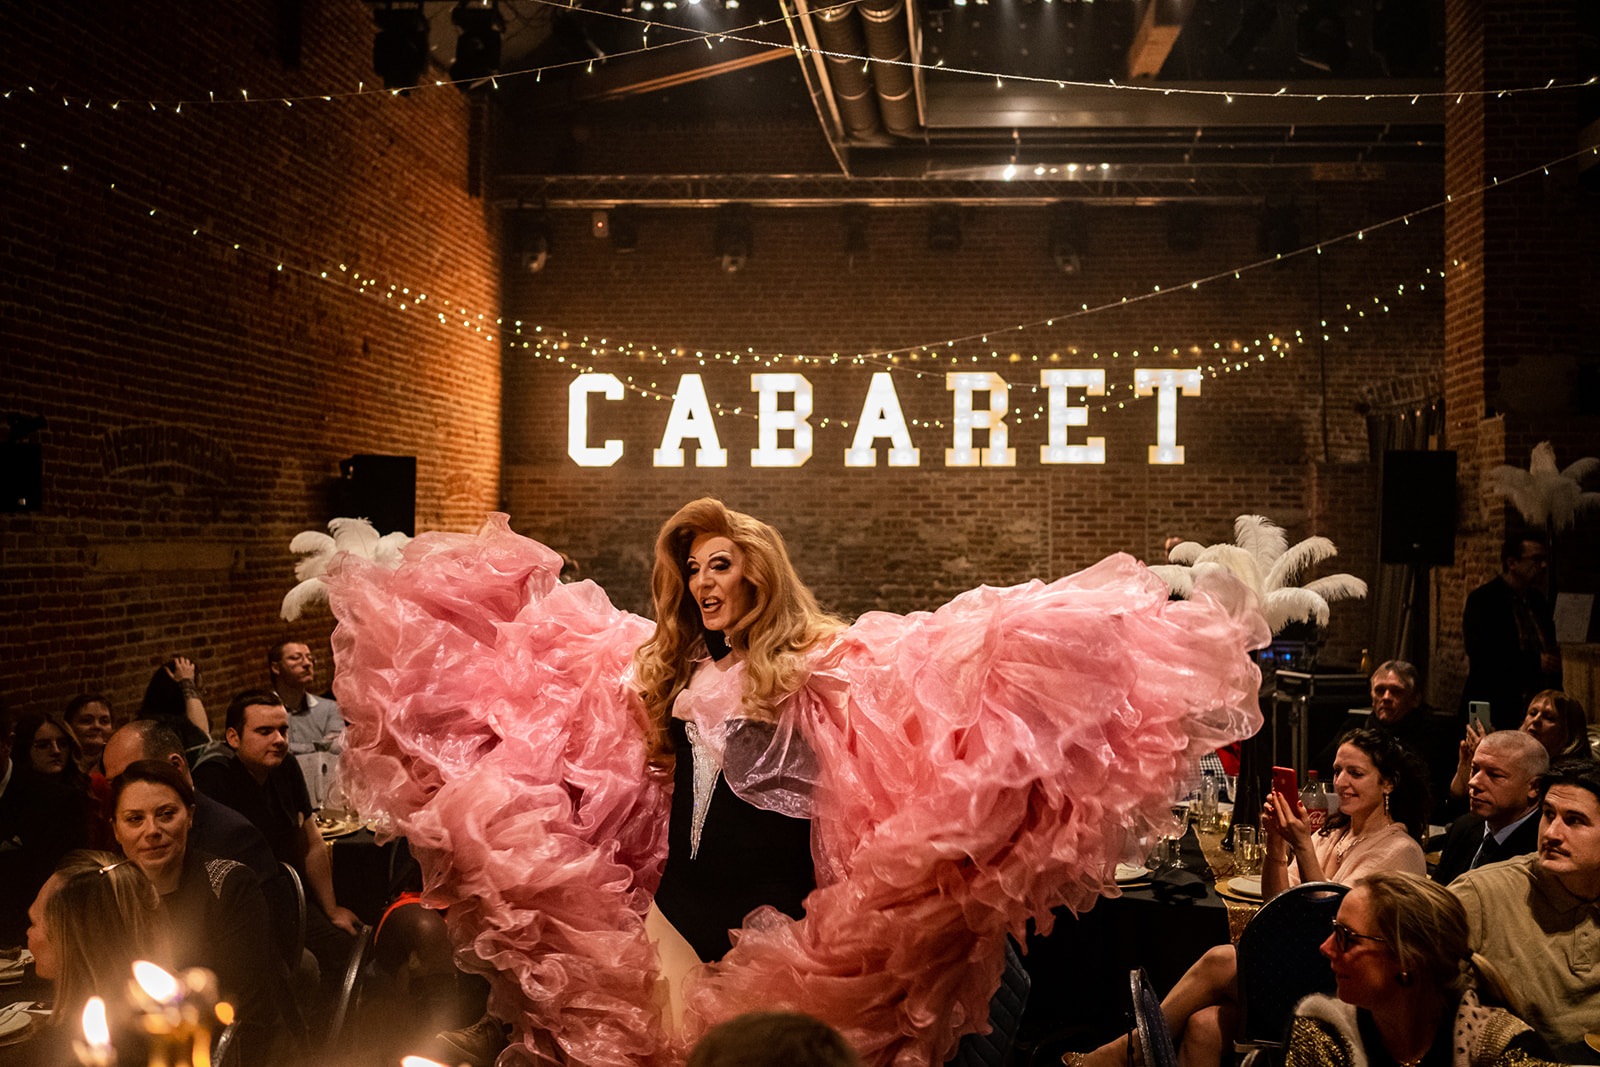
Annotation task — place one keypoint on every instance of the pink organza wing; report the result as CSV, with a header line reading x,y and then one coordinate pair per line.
x,y
979,766
491,724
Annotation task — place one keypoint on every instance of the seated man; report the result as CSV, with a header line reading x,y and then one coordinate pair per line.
x,y
217,828
1399,710
1503,795
258,780
1535,918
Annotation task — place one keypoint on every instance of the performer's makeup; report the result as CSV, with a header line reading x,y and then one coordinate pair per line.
x,y
716,581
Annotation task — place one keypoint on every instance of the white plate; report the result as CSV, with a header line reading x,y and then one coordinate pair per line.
x,y
12,1021
1247,886
1126,872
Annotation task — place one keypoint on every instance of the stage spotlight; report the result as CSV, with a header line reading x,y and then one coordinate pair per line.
x,y
1067,236
731,243
1319,37
944,228
532,239
478,46
400,49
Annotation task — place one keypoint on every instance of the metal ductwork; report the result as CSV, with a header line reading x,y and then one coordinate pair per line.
x,y
889,45
839,36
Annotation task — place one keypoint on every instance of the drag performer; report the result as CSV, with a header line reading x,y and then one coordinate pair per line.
x,y
962,771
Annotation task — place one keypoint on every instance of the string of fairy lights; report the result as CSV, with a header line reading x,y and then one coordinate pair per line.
x,y
689,35
583,355
918,360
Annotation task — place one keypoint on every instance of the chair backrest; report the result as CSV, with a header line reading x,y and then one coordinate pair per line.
x,y
1155,1038
350,992
300,899
1280,958
1005,1017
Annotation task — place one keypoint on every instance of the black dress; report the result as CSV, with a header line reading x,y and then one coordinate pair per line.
x,y
747,857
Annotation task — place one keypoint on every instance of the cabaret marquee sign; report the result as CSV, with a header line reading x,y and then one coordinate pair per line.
x,y
784,406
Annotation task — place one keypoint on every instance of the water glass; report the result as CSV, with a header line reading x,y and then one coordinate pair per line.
x,y
1247,849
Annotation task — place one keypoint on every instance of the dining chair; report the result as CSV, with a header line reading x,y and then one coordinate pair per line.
x,y
1155,1039
1280,961
349,992
1005,1017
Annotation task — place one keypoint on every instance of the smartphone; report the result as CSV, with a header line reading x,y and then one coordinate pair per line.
x,y
1478,714
1286,784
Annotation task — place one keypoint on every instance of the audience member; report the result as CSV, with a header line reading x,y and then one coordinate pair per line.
x,y
89,718
1503,801
1409,988
45,812
216,828
1399,710
773,1039
1559,723
15,891
219,917
1536,917
91,920
173,699
257,779
314,722
1510,634
1383,795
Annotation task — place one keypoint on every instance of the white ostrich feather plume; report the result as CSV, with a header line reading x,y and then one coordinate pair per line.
x,y
355,536
1262,559
1544,495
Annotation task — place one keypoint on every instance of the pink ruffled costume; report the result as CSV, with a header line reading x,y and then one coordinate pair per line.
x,y
975,767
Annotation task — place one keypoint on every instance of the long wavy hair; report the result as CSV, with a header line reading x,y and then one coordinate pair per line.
x,y
782,625
1574,722
102,916
1402,769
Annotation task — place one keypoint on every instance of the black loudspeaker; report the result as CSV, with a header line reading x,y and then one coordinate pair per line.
x,y
1419,509
21,476
382,489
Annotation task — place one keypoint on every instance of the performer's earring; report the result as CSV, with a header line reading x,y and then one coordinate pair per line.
x,y
1403,978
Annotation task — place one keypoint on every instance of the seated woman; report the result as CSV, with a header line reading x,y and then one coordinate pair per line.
x,y
89,718
1409,987
1557,720
173,699
94,917
219,917
1382,788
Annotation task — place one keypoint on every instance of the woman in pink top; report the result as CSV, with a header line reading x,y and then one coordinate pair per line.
x,y
1383,793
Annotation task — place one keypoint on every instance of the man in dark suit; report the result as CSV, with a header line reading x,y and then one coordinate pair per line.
x,y
1510,634
1503,797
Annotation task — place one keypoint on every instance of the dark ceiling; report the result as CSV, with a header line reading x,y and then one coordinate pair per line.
x,y
977,92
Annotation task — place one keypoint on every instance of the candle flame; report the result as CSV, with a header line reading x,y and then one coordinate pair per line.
x,y
156,982
95,1030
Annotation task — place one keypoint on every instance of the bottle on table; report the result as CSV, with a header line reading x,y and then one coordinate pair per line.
x,y
1314,798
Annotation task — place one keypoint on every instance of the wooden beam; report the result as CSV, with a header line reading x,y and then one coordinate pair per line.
x,y
1158,32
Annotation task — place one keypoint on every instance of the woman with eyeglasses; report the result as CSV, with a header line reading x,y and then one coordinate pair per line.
x,y
1383,794
1410,990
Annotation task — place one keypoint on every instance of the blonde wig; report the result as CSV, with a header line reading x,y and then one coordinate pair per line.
x,y
782,625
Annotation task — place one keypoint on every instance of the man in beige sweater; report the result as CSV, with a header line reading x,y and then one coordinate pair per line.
x,y
1537,917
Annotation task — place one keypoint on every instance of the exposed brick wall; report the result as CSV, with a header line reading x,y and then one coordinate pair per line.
x,y
198,398
901,539
1520,303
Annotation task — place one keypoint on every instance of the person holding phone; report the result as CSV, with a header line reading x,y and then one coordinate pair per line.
x,y
1383,796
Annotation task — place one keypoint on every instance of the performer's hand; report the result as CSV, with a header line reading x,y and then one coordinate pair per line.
x,y
346,920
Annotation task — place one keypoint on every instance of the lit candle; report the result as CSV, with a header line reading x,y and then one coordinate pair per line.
x,y
95,1049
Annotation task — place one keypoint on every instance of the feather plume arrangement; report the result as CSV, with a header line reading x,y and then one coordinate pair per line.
x,y
1261,557
1545,495
355,536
